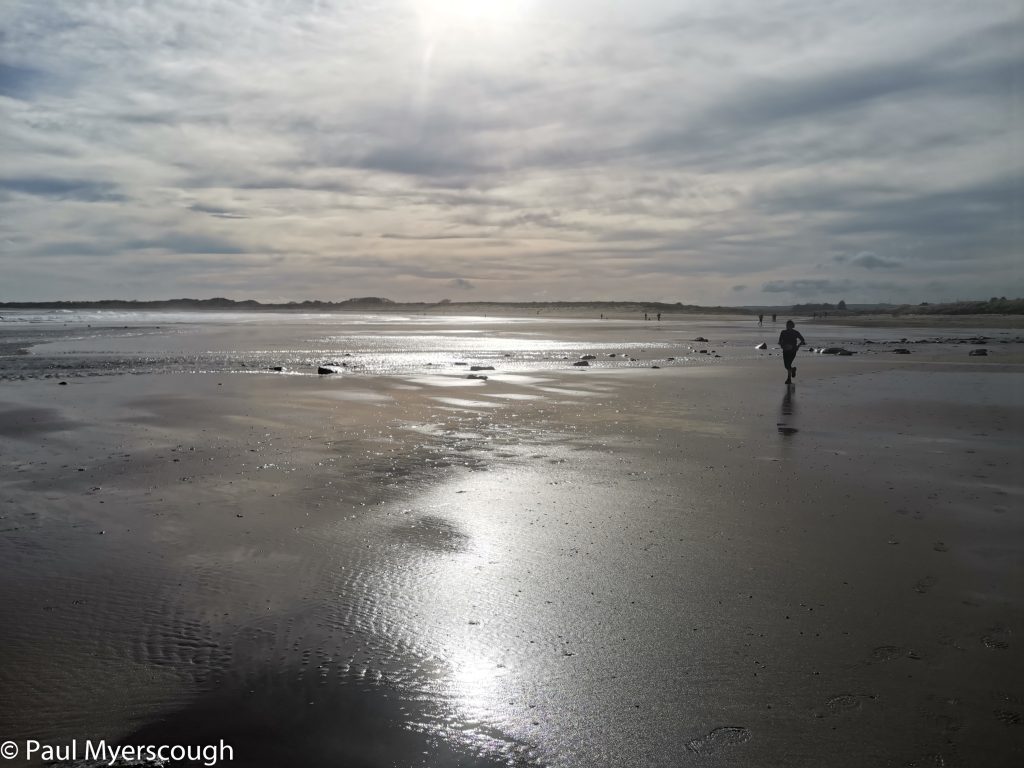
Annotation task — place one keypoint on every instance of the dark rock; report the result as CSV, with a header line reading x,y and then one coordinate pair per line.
x,y
762,345
62,383
588,357
845,353
703,351
901,351
701,338
656,366
324,371
481,367
277,368
978,353
834,351
460,363
476,376
581,363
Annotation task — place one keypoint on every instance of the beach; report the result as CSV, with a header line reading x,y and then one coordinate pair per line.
x,y
665,557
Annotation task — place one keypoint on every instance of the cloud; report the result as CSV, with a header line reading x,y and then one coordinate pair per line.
x,y
665,152
186,243
62,189
867,260
804,287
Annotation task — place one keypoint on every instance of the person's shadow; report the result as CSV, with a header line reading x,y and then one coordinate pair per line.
x,y
786,413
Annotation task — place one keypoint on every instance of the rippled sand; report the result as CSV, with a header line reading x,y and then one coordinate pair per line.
x,y
614,566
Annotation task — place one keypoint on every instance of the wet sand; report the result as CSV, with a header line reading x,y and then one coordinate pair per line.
x,y
569,568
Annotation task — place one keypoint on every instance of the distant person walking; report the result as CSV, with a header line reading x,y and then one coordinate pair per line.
x,y
760,320
790,340
773,317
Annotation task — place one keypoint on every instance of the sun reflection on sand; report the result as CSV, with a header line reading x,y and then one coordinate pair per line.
x,y
474,679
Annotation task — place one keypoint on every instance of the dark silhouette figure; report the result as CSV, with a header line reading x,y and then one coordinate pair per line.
x,y
773,317
659,317
790,340
760,320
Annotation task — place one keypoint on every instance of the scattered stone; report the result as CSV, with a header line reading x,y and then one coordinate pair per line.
x,y
901,351
762,345
701,338
978,353
460,363
62,383
476,376
703,351
588,357
278,368
833,351
656,366
481,367
323,371
581,363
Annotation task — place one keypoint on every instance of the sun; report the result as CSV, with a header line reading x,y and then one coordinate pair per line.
x,y
440,16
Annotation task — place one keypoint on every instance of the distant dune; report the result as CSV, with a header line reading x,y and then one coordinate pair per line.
x,y
968,312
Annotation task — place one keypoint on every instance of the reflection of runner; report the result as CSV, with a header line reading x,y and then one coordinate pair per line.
x,y
790,340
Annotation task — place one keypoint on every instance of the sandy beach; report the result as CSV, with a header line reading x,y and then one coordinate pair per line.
x,y
687,564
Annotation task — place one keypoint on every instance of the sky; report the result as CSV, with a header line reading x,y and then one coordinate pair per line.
x,y
735,152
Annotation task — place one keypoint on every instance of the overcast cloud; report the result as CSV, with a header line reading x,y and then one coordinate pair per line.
x,y
760,151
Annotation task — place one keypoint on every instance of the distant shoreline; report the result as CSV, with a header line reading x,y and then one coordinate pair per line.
x,y
958,315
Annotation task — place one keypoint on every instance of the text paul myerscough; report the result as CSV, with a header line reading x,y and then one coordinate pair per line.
x,y
102,752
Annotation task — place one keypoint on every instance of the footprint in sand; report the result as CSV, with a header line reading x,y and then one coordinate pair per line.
x,y
845,702
996,639
717,739
923,585
892,652
1008,718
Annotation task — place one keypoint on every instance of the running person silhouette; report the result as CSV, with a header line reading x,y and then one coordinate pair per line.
x,y
790,340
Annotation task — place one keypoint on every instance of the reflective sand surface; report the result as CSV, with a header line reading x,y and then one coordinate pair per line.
x,y
612,566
